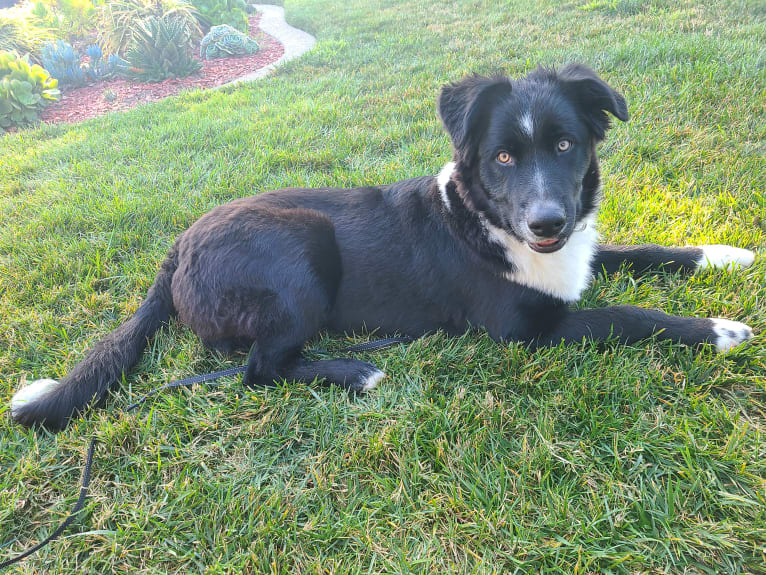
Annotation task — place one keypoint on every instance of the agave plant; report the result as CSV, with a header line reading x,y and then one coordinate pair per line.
x,y
120,20
161,50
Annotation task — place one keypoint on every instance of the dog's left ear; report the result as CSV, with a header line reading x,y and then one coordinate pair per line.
x,y
464,108
594,96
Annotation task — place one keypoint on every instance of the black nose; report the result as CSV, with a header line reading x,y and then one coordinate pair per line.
x,y
546,221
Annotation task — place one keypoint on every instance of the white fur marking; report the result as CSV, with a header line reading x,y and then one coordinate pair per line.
x,y
730,333
721,256
443,179
527,125
563,274
31,393
372,380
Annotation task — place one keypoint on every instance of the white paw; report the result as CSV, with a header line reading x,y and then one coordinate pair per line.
x,y
30,393
729,333
372,380
727,257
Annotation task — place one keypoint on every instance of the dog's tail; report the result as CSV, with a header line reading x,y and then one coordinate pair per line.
x,y
51,404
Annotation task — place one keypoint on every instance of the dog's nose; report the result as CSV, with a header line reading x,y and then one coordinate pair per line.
x,y
546,221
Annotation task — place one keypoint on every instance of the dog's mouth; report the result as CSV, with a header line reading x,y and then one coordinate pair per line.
x,y
547,246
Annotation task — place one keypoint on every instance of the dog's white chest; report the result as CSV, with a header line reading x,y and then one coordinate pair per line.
x,y
563,274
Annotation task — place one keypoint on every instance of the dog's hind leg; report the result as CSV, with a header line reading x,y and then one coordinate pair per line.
x,y
281,325
350,374
353,375
267,280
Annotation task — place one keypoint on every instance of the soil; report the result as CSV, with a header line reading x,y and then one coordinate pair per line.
x,y
78,104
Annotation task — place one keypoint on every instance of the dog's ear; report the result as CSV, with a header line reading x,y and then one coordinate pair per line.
x,y
464,108
594,96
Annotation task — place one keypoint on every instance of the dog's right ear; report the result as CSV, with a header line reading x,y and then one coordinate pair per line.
x,y
464,108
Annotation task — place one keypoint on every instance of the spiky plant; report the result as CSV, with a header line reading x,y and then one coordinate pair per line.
x,y
161,50
119,21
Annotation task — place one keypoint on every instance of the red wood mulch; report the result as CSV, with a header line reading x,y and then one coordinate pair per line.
x,y
78,104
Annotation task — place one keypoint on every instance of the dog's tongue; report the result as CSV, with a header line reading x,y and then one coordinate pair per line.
x,y
546,242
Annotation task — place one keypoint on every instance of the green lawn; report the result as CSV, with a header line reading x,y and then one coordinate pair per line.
x,y
470,457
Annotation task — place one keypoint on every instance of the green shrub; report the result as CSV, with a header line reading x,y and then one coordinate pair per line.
x,y
230,12
11,37
78,17
43,15
22,37
72,20
119,20
161,50
24,90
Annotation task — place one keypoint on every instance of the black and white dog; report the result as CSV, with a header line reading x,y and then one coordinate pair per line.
x,y
503,238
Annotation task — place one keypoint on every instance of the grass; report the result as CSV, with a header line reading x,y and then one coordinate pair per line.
x,y
471,457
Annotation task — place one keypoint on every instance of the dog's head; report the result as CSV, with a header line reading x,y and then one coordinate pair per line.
x,y
525,150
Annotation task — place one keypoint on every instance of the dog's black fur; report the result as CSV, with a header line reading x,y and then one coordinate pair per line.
x,y
267,272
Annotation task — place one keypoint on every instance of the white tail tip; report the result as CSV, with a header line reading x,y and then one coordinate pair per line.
x,y
31,393
372,380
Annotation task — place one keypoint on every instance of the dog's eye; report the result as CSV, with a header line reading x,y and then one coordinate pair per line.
x,y
564,145
505,158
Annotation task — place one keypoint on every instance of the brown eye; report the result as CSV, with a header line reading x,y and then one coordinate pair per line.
x,y
505,158
564,145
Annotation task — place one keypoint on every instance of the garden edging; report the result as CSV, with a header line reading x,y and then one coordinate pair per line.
x,y
295,42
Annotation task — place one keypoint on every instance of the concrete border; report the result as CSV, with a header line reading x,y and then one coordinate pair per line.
x,y
296,42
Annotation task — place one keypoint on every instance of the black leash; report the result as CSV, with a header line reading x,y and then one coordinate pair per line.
x,y
189,381
70,518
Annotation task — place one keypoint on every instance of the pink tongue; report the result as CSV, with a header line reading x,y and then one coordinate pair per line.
x,y
546,242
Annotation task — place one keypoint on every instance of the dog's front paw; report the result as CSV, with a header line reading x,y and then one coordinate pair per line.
x,y
729,334
727,257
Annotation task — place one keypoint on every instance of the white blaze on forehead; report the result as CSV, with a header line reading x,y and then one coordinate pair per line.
x,y
563,274
443,179
527,126
539,181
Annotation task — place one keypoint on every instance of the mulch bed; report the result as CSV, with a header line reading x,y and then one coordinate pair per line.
x,y
77,104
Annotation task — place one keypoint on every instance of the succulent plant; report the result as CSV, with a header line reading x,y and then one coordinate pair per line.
x,y
66,66
24,90
63,63
161,50
223,41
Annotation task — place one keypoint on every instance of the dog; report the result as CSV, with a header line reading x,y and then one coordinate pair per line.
x,y
503,238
